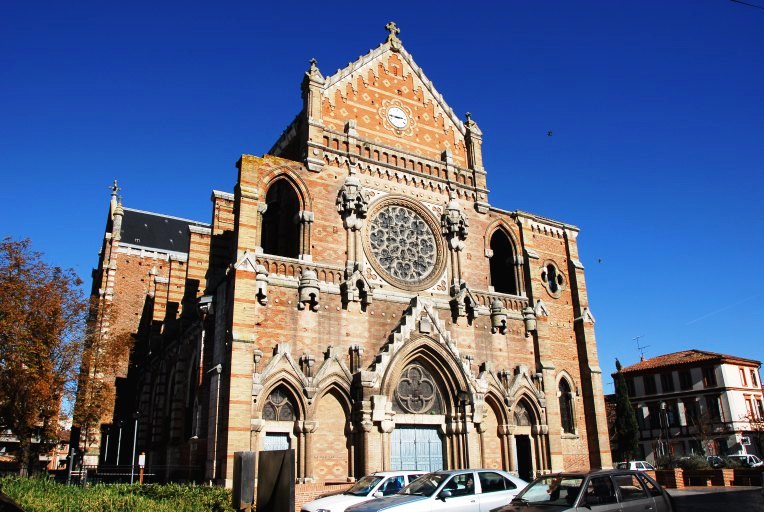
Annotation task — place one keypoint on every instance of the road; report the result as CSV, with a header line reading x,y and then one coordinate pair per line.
x,y
718,499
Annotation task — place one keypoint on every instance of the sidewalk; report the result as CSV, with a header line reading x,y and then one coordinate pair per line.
x,y
717,499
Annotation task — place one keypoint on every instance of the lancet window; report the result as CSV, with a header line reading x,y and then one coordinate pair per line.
x,y
503,264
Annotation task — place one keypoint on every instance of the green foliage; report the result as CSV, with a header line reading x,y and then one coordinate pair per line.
x,y
626,428
692,462
45,495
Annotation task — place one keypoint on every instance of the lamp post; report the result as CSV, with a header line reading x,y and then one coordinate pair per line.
x,y
119,440
107,431
136,414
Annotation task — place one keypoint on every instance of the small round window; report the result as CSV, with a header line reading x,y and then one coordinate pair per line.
x,y
552,278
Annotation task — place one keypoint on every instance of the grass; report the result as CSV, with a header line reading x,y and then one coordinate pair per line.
x,y
46,495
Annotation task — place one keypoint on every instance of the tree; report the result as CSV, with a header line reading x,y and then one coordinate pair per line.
x,y
626,427
41,317
756,428
102,359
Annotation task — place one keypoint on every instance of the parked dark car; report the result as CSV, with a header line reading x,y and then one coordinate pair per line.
x,y
603,491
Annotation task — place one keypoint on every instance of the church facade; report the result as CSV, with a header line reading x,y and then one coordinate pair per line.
x,y
355,298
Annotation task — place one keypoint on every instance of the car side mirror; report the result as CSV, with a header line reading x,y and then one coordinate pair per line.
x,y
378,494
446,493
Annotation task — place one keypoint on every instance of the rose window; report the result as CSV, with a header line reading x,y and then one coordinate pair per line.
x,y
403,243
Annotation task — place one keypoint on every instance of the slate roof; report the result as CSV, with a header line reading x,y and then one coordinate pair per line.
x,y
156,231
687,358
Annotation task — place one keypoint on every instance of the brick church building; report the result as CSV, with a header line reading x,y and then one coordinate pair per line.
x,y
357,298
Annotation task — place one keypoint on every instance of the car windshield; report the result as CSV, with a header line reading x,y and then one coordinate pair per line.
x,y
622,465
364,486
425,485
552,490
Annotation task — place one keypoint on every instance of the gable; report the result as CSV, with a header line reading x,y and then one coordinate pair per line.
x,y
385,79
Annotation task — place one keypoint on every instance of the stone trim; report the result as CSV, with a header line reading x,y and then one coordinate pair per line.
x,y
218,194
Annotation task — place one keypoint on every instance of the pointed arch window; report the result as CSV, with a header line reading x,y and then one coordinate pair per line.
x,y
279,406
566,407
503,264
280,232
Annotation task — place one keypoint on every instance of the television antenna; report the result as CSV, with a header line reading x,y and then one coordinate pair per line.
x,y
641,348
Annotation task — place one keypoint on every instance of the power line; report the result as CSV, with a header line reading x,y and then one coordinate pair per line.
x,y
746,3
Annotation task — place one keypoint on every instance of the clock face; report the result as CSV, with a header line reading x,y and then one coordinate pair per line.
x,y
403,244
397,117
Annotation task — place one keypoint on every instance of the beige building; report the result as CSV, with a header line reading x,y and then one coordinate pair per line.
x,y
357,298
695,402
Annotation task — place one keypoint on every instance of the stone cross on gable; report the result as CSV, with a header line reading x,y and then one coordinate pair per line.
x,y
393,29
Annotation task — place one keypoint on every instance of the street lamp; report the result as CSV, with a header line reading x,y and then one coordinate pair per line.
x,y
136,414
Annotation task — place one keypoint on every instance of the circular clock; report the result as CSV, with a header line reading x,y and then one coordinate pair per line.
x,y
397,117
403,244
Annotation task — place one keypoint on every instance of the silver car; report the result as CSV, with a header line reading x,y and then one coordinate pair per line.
x,y
596,491
458,490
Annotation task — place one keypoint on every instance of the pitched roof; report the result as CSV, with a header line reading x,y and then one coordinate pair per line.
x,y
686,358
156,231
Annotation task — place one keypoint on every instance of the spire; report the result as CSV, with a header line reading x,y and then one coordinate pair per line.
x,y
114,190
474,140
119,212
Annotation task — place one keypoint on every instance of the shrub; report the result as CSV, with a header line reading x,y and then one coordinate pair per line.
x,y
45,495
693,462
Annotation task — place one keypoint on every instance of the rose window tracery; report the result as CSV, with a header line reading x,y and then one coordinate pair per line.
x,y
403,243
417,393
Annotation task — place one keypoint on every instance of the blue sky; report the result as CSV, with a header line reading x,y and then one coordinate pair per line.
x,y
656,109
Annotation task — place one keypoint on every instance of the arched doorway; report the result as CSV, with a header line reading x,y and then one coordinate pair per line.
x,y
417,398
524,419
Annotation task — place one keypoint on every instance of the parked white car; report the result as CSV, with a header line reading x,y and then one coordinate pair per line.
x,y
637,465
747,460
376,485
463,490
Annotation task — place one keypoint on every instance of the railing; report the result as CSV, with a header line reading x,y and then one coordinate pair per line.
x,y
86,475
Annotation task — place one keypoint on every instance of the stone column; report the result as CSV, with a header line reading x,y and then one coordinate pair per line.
x,y
534,458
351,453
256,427
481,437
306,221
366,426
308,428
385,428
